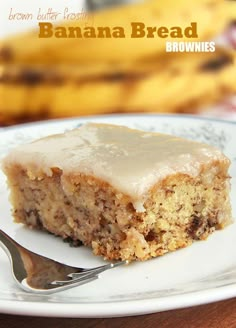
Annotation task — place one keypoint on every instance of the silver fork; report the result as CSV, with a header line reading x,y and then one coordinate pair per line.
x,y
38,274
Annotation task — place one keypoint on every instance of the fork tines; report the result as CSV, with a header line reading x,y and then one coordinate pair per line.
x,y
86,275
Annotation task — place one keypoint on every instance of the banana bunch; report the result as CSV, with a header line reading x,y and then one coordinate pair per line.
x,y
47,78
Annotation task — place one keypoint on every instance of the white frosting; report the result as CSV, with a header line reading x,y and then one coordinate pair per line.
x,y
130,160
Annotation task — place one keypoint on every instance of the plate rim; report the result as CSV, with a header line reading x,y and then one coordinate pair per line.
x,y
116,116
133,308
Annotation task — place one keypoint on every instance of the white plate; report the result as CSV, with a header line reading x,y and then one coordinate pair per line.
x,y
202,273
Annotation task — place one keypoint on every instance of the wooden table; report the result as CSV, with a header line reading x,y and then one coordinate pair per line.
x,y
215,315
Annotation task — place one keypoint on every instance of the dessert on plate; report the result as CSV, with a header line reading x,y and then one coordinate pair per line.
x,y
126,193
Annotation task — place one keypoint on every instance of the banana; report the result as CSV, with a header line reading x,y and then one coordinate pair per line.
x,y
30,74
193,81
211,17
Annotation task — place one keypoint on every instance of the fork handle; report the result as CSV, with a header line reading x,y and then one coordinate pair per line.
x,y
12,249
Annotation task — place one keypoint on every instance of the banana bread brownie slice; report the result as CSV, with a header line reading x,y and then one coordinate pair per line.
x,y
128,194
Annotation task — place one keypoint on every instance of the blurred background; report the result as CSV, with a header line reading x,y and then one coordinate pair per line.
x,y
55,78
